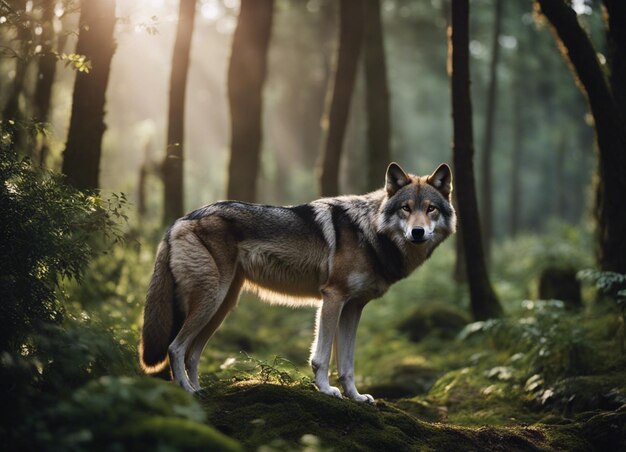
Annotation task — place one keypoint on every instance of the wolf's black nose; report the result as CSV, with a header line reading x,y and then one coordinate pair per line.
x,y
417,233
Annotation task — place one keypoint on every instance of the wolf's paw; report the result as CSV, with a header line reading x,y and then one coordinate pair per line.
x,y
332,391
363,398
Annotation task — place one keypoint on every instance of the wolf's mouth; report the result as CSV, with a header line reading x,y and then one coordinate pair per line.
x,y
420,241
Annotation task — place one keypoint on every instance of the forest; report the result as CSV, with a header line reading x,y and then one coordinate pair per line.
x,y
118,117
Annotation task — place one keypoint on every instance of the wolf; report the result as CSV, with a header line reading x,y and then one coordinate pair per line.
x,y
336,254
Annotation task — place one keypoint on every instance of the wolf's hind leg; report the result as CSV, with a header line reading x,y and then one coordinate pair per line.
x,y
193,353
202,280
345,341
326,325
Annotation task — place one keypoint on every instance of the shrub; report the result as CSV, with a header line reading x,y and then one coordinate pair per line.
x,y
50,231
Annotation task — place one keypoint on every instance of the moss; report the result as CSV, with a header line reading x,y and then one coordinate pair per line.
x,y
589,392
262,414
175,433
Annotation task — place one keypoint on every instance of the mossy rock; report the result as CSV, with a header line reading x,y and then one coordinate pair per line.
x,y
441,320
262,414
587,393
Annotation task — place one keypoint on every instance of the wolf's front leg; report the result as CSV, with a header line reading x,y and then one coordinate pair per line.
x,y
326,325
350,316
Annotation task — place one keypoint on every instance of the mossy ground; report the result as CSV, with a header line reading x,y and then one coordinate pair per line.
x,y
285,418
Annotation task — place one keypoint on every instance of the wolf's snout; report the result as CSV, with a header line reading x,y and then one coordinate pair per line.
x,y
417,234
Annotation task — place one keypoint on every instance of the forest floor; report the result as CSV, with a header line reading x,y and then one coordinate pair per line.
x,y
287,418
473,396
546,376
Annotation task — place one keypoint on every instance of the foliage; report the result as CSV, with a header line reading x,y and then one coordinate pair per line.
x,y
610,284
78,62
548,341
124,413
279,370
50,232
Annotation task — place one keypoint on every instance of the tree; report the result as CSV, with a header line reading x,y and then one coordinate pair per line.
x,y
81,158
517,148
246,76
173,203
490,110
45,74
484,303
607,103
12,107
377,95
351,20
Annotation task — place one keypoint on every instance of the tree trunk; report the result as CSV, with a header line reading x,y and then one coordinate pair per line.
x,y
351,19
377,96
484,303
459,273
45,77
486,166
246,75
609,124
173,182
81,159
12,106
515,202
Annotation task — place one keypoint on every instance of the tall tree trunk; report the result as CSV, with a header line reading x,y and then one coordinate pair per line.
x,y
81,159
45,76
351,18
486,165
12,106
246,75
484,303
616,50
604,103
459,273
517,148
377,96
173,182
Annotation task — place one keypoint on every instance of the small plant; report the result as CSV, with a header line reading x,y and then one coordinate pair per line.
x,y
280,370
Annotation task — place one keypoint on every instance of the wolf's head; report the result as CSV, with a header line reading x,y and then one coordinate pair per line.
x,y
418,209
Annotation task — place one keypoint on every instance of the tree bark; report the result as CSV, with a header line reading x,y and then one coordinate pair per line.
x,y
483,300
517,148
486,165
246,76
81,158
12,106
45,77
377,96
173,165
604,103
351,20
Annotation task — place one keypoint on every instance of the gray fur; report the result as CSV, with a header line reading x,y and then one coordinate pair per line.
x,y
334,253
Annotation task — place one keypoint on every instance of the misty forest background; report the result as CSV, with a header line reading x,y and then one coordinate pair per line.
x,y
117,117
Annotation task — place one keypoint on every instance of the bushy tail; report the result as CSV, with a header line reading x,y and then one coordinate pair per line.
x,y
159,323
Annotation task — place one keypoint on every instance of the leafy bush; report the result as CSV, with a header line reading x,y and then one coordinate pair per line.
x,y
545,340
125,413
50,231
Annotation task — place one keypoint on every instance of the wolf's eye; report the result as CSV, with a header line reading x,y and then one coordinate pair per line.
x,y
431,209
406,208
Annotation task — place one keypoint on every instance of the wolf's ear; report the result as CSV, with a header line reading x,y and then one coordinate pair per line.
x,y
441,179
395,179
